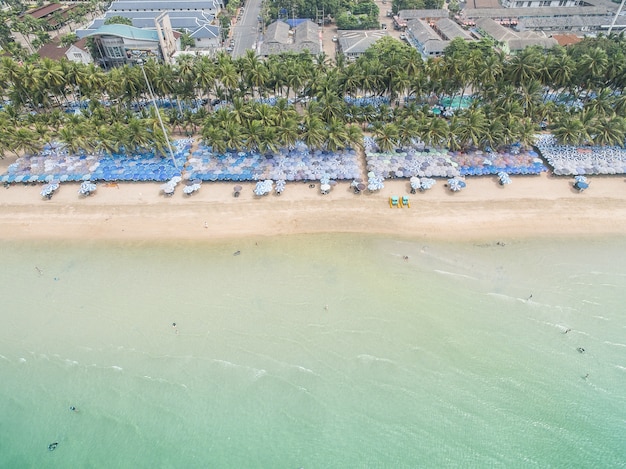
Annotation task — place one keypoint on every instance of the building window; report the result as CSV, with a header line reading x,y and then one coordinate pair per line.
x,y
114,52
78,55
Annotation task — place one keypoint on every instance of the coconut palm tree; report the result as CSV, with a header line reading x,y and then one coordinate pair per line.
x,y
336,135
568,129
387,137
313,130
610,131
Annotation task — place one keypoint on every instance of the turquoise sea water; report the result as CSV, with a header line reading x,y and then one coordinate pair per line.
x,y
314,352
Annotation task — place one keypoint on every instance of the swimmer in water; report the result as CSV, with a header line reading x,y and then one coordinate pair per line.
x,y
580,350
73,409
53,446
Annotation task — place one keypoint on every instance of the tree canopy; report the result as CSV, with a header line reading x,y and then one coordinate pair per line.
x,y
249,103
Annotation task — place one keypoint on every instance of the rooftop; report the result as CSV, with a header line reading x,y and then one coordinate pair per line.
x,y
127,32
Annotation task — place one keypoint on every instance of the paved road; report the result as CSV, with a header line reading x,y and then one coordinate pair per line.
x,y
246,31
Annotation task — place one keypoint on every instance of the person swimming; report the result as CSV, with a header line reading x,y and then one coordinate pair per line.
x,y
580,350
53,446
73,409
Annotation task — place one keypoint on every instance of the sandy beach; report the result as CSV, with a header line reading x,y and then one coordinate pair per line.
x,y
530,206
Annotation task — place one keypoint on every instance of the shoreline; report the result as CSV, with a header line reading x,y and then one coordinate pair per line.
x,y
532,206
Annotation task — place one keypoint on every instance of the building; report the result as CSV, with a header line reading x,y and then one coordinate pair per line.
x,y
511,40
279,38
423,37
550,16
119,44
77,52
198,18
353,44
450,30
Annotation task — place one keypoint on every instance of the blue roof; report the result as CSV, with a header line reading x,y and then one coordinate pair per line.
x,y
295,21
128,32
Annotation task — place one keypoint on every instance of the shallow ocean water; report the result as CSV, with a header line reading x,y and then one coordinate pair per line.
x,y
314,351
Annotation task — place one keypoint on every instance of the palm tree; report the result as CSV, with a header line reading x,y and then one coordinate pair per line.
x,y
408,129
313,130
567,129
524,66
387,137
336,136
24,140
610,131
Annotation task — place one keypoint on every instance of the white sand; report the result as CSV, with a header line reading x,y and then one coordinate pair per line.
x,y
530,206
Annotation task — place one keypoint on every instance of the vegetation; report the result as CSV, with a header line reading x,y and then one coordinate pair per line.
x,y
416,5
578,91
119,20
362,15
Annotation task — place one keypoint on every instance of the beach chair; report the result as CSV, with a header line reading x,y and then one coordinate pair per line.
x,y
394,201
405,202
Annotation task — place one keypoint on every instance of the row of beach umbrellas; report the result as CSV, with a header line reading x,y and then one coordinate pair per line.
x,y
581,160
421,184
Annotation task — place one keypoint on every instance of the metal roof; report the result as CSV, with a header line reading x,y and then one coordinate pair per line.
x,y
357,42
206,32
532,12
571,22
277,32
422,31
163,5
420,14
127,32
189,21
451,30
277,38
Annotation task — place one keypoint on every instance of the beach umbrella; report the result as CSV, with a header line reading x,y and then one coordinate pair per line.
x,y
324,188
580,179
86,188
49,189
260,188
454,184
280,186
581,186
504,178
426,183
168,188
